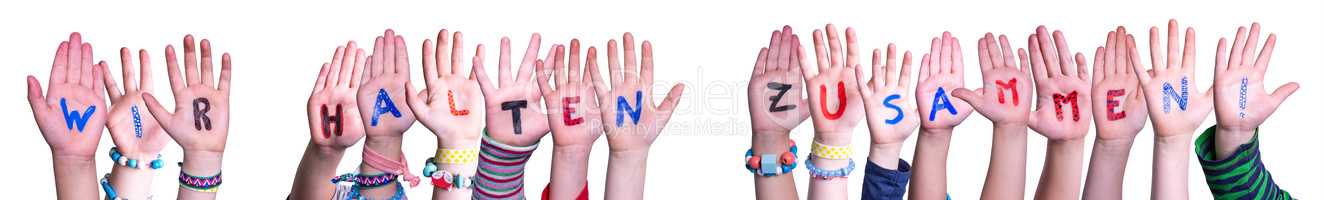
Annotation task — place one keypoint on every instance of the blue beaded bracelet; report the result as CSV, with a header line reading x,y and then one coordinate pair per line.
x,y
110,191
771,164
820,173
120,159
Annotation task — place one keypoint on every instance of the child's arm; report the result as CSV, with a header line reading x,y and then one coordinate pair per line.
x,y
71,98
775,108
137,136
574,119
1176,107
1005,100
1241,104
515,125
941,72
200,126
451,105
633,122
1061,82
836,108
891,118
1119,114
333,123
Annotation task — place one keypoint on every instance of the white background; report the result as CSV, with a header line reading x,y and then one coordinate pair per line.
x,y
710,45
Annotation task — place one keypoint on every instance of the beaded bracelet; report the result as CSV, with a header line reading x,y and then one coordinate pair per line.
x,y
824,151
445,179
120,159
110,191
820,173
209,184
355,194
456,156
367,181
768,164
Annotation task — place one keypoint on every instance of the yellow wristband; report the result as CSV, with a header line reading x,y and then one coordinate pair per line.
x,y
456,156
832,152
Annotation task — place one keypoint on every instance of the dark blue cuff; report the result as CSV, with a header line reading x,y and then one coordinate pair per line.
x,y
882,183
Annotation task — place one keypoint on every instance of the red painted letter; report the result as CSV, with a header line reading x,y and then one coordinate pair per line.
x,y
451,95
1058,100
841,97
567,111
1009,85
1113,114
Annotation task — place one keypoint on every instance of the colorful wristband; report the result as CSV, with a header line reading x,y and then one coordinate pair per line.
x,y
824,151
771,164
501,170
120,159
456,156
208,184
355,193
820,173
446,180
367,181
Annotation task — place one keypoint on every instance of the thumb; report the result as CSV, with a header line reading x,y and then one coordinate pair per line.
x,y
673,98
969,96
1279,95
159,113
417,101
35,98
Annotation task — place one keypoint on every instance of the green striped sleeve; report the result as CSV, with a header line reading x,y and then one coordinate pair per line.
x,y
1239,176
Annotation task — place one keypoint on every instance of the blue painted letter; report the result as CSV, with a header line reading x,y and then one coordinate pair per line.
x,y
888,103
1170,94
940,101
73,118
623,107
383,105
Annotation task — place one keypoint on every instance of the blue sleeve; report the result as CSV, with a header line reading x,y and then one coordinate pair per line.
x,y
882,183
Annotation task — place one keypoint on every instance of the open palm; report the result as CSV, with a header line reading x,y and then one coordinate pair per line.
x,y
384,80
135,132
1173,77
834,99
941,71
1005,96
510,96
75,87
572,109
888,108
452,104
1118,105
1063,113
1240,101
201,119
334,94
776,103
629,100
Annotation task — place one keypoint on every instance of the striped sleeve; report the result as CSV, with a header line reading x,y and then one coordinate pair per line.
x,y
1239,176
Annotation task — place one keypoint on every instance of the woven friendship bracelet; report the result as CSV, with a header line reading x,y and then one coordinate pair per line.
x,y
456,156
501,170
367,181
832,152
200,183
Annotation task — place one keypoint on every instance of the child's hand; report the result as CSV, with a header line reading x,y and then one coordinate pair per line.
x,y
1061,115
1240,101
1118,105
891,115
573,110
135,132
201,119
383,87
331,115
834,100
629,101
1176,106
1005,96
775,87
73,112
516,114
941,72
452,104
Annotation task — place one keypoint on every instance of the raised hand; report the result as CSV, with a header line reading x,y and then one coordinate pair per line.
x,y
384,82
1060,87
136,133
941,72
834,100
775,87
452,105
516,105
1240,102
1118,105
888,108
1005,96
201,119
1176,106
72,113
573,110
629,100
330,112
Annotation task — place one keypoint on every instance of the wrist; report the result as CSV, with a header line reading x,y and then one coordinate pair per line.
x,y
834,138
886,155
201,163
630,156
325,151
131,183
1232,136
770,143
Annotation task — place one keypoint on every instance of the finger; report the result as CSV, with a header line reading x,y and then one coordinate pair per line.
x,y
401,56
958,63
126,72
191,61
321,77
862,84
1099,64
924,68
60,67
558,68
86,74
820,50
345,72
935,52
35,98
889,71
786,50
503,63
1262,63
1156,52
379,58
904,74
1109,62
1188,51
429,61
595,79
172,71
834,46
333,77
360,59
225,73
614,63
673,98
1174,52
1116,58
1006,53
1220,56
1239,45
1081,72
1136,66
417,101
1041,72
1252,41
1064,56
1049,53
760,63
543,75
480,72
75,58
145,70
389,52
599,88
162,116
592,64
985,57
631,59
572,72
646,72
98,81
774,51
1025,62
852,49
206,64
457,54
110,86
443,54
530,55
799,61
969,96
